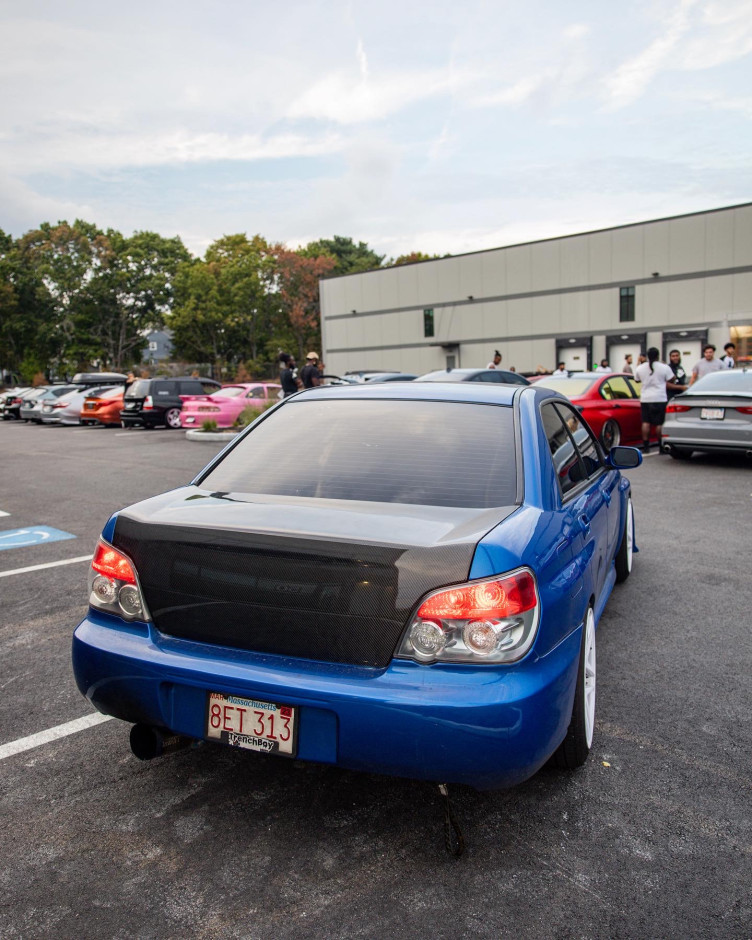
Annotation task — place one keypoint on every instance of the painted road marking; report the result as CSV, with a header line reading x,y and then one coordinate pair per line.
x,y
34,535
3,513
52,734
48,564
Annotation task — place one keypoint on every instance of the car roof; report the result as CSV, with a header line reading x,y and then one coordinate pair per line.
x,y
480,392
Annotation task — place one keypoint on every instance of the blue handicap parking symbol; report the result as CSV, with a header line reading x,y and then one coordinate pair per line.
x,y
32,535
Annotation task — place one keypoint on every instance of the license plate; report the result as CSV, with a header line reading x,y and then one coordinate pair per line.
x,y
250,724
712,414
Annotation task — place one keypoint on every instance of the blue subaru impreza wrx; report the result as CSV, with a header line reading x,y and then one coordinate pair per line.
x,y
413,589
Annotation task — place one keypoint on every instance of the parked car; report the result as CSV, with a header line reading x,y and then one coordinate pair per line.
x,y
226,404
610,403
66,410
10,401
151,402
361,375
419,598
31,406
103,407
713,415
391,377
494,376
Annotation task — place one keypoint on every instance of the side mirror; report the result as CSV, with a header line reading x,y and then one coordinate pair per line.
x,y
624,458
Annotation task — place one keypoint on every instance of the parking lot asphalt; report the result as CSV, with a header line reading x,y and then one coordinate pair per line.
x,y
651,838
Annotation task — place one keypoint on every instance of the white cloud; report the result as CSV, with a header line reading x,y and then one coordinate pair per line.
x,y
105,150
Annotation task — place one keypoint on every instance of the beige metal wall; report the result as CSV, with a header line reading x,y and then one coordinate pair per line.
x,y
689,272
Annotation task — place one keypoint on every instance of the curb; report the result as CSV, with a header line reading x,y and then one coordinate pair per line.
x,y
211,437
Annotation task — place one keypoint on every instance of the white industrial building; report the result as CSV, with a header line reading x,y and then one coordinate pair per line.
x,y
672,283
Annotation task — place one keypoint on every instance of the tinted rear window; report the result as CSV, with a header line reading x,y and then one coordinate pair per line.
x,y
139,389
736,381
429,453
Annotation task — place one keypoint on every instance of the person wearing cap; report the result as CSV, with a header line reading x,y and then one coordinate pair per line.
x,y
496,361
309,374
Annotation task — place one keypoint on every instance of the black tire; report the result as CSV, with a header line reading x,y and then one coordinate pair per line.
x,y
172,418
679,453
623,558
574,749
610,435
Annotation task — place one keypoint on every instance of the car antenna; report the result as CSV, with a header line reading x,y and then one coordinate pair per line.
x,y
453,838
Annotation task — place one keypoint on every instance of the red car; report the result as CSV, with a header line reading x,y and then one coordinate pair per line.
x,y
104,409
609,402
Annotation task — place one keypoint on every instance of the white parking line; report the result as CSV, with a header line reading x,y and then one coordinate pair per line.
x,y
49,564
52,734
3,513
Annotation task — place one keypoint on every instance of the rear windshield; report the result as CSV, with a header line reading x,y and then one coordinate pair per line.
x,y
139,389
424,452
569,387
229,391
731,382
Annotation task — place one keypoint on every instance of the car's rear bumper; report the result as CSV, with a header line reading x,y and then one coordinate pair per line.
x,y
487,727
706,435
141,419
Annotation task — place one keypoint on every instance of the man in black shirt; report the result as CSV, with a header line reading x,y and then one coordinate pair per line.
x,y
309,374
680,376
287,377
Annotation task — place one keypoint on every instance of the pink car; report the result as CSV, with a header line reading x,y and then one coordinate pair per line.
x,y
224,405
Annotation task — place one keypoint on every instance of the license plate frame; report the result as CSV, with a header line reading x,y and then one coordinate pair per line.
x,y
712,414
246,722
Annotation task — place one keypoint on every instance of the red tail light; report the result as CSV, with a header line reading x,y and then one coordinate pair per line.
x,y
673,409
744,409
109,562
491,599
148,403
61,404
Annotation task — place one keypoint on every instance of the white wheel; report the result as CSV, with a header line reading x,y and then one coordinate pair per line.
x,y
574,749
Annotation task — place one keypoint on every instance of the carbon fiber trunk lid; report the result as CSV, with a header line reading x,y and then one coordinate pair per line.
x,y
309,578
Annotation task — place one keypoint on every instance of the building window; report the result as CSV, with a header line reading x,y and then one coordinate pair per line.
x,y
626,304
428,322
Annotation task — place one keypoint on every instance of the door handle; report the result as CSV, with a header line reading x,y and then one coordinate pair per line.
x,y
584,521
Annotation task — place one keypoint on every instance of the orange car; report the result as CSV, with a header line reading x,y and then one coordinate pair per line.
x,y
104,409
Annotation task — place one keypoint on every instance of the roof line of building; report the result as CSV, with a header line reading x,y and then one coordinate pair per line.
x,y
540,241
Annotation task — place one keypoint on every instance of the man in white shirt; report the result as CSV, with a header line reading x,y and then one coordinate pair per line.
x,y
729,351
656,377
604,366
496,361
707,364
561,372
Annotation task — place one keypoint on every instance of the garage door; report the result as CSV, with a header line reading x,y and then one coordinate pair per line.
x,y
575,358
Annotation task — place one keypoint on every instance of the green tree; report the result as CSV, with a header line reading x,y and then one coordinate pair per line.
x,y
413,256
350,258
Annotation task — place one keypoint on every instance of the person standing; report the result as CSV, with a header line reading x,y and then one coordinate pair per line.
x,y
604,366
309,374
627,367
707,364
681,382
287,376
560,372
656,379
496,361
729,351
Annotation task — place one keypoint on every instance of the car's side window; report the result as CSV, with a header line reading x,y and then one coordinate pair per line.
x,y
164,388
257,392
616,387
583,439
565,458
205,388
635,386
191,387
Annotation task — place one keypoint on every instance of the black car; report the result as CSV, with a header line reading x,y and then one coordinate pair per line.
x,y
150,402
499,376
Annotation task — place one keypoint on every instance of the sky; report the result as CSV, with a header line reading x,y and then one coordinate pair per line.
x,y
436,127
